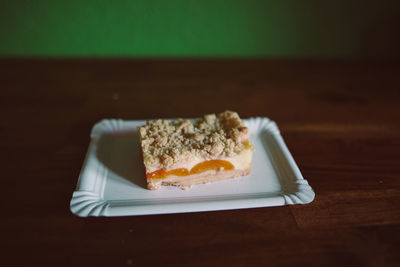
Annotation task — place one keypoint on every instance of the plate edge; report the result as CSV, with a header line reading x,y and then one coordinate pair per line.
x,y
305,194
87,203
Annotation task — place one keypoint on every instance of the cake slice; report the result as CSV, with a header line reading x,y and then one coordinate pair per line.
x,y
184,153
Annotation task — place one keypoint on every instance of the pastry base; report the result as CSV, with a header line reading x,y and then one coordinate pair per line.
x,y
195,179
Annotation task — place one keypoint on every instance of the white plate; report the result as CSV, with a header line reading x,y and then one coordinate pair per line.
x,y
112,181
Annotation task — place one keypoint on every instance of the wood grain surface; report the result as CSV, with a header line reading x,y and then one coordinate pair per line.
x,y
340,120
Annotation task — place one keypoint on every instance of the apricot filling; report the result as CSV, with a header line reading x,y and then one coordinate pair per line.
x,y
199,168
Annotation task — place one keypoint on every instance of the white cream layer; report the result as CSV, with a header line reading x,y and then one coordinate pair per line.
x,y
240,162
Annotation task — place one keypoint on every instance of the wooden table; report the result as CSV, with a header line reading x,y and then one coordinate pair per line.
x,y
340,120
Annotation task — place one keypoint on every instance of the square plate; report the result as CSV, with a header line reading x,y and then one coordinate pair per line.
x,y
112,180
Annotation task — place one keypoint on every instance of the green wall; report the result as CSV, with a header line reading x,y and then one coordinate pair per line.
x,y
179,28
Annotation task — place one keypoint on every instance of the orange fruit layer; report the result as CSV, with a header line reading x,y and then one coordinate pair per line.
x,y
199,168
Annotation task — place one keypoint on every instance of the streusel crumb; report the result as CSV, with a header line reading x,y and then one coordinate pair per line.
x,y
168,142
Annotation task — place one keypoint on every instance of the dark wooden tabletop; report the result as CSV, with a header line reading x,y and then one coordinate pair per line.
x,y
340,120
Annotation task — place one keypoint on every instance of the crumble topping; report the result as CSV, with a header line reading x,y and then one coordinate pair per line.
x,y
166,143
